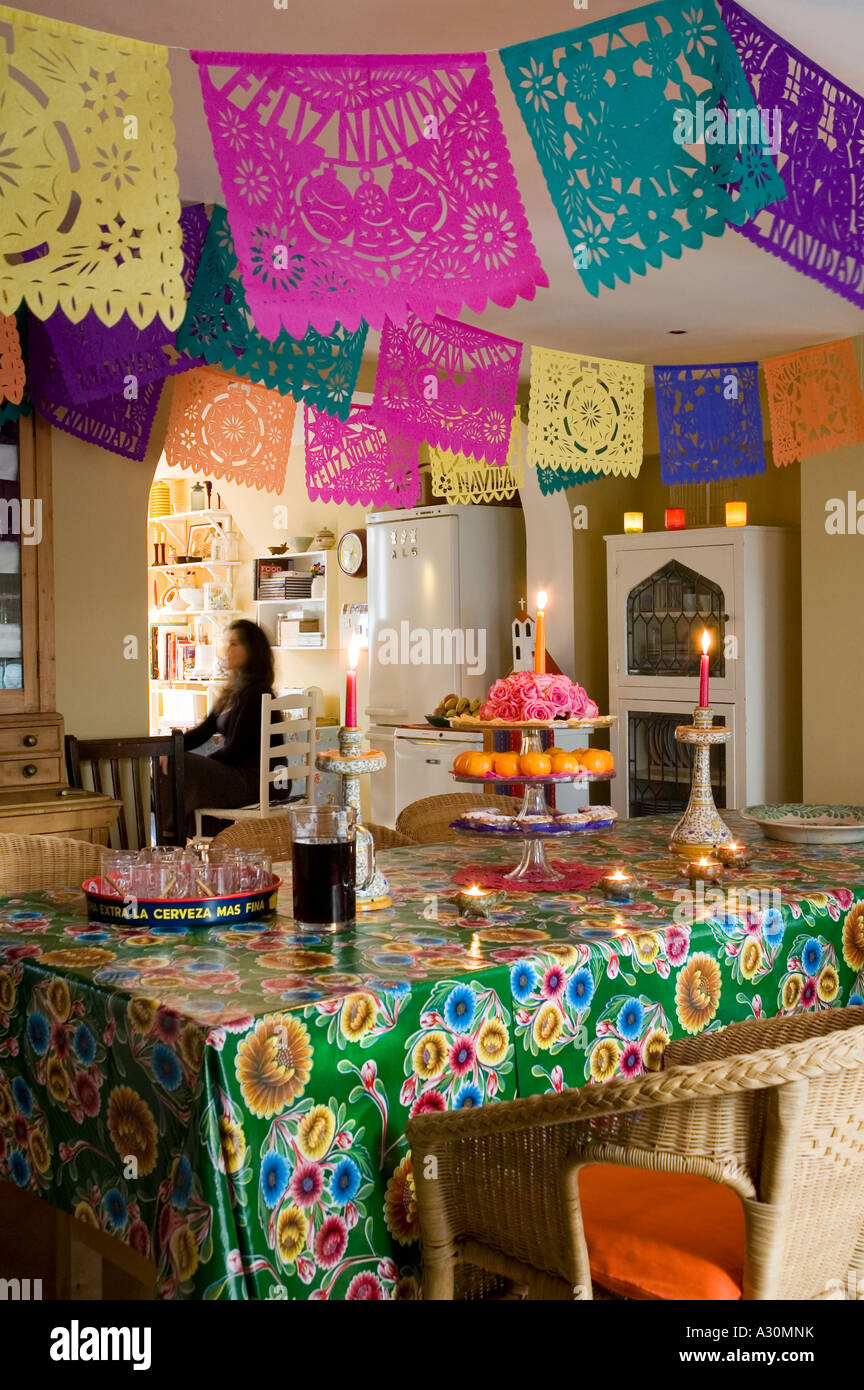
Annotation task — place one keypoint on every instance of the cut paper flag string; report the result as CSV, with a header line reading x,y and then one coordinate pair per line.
x,y
97,361
615,111
814,401
230,429
821,126
366,186
357,462
585,413
88,157
12,372
119,423
552,480
318,368
461,479
449,384
709,421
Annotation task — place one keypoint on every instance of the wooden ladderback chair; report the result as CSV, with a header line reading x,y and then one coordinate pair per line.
x,y
288,724
28,862
128,769
427,822
770,1112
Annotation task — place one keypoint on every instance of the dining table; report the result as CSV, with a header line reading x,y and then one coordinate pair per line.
x,y
231,1102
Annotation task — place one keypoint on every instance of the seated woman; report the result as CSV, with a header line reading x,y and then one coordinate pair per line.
x,y
229,776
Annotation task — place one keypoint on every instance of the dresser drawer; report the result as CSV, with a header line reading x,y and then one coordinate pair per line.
x,y
32,772
46,736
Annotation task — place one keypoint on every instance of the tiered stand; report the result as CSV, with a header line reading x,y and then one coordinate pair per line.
x,y
533,862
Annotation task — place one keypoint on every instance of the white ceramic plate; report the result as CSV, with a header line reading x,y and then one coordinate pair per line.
x,y
800,824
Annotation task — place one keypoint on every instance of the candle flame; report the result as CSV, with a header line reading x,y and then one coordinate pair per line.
x,y
706,640
732,845
703,863
618,876
354,651
475,891
541,600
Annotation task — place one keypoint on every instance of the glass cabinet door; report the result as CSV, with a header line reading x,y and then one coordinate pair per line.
x,y
666,615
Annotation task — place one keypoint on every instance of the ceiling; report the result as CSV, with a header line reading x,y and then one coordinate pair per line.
x,y
733,300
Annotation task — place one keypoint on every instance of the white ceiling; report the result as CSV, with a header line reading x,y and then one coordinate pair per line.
x,y
734,300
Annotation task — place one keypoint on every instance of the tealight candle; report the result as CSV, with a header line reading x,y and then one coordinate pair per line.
x,y
704,870
734,856
618,887
673,518
475,901
633,522
736,513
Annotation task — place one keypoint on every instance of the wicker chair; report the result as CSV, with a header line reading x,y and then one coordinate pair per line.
x,y
427,822
273,834
270,833
773,1110
28,862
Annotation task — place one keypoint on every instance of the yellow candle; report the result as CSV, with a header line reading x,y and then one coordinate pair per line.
x,y
736,513
540,633
633,522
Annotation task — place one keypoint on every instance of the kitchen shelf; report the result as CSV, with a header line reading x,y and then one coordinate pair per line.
x,y
196,565
203,515
158,614
289,601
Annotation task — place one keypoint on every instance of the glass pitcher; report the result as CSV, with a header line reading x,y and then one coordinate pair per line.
x,y
324,864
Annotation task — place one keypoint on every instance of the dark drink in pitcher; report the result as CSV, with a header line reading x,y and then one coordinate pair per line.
x,y
323,881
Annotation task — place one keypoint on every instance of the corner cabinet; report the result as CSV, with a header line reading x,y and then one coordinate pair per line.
x,y
663,588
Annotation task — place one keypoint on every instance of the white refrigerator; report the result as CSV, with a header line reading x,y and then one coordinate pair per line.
x,y
444,587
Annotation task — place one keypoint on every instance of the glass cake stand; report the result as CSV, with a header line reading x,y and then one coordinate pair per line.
x,y
534,863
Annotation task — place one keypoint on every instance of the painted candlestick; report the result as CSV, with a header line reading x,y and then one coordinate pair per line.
x,y
701,828
350,763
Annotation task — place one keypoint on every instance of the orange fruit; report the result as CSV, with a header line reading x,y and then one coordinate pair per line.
x,y
564,762
479,764
460,763
597,760
506,764
535,764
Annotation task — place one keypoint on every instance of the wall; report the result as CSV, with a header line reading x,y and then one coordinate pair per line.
x,y
832,579
100,558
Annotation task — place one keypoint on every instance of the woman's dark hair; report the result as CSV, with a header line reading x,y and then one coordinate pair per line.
x,y
257,674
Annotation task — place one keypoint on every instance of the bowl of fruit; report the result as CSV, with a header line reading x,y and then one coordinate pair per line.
x,y
554,765
449,708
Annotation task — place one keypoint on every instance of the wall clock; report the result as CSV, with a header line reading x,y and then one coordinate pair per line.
x,y
352,554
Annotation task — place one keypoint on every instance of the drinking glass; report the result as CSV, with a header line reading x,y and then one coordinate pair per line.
x,y
324,864
116,867
254,868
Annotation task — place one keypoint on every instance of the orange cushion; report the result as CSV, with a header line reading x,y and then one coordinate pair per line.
x,y
662,1235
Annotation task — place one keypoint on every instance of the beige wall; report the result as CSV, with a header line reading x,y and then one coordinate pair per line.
x,y
832,579
100,558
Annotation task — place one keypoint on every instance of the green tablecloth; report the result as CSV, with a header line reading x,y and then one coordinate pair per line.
x,y
233,1103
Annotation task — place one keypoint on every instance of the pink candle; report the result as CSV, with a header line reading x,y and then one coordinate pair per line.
x,y
351,685
703,669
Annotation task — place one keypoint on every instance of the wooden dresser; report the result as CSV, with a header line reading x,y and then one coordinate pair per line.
x,y
34,796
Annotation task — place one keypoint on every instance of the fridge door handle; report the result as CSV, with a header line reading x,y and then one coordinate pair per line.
x,y
436,761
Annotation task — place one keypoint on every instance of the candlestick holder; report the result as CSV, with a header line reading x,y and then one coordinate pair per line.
x,y
351,763
701,828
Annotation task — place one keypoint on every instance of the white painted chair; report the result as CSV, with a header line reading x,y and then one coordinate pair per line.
x,y
287,736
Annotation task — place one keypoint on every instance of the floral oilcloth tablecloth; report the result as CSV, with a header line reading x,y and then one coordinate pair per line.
x,y
232,1103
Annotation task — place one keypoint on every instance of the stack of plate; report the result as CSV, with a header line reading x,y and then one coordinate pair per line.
x,y
289,585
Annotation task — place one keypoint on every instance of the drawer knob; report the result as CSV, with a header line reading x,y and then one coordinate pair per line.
x,y
29,770
30,740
